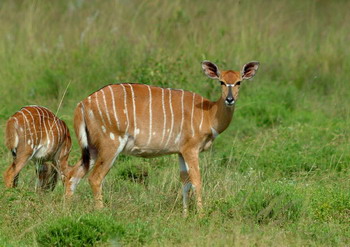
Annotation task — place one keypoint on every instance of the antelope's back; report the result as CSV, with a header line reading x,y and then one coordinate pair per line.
x,y
37,126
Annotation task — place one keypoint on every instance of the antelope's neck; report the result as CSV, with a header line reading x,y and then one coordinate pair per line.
x,y
221,115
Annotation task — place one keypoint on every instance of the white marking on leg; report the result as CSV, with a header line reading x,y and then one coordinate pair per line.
x,y
134,109
105,103
183,165
150,115
164,117
192,114
202,109
125,110
172,117
114,110
185,189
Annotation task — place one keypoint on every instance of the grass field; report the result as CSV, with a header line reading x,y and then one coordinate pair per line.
x,y
278,176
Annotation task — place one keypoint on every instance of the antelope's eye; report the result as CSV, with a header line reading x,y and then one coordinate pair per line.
x,y
222,83
238,83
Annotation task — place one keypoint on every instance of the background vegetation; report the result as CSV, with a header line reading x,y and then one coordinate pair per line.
x,y
279,176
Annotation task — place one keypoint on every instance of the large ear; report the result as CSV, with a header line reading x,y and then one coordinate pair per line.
x,y
210,69
249,70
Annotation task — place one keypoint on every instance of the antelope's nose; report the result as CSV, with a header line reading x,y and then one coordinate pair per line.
x,y
230,100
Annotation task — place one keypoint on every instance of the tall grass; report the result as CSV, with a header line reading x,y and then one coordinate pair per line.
x,y
278,176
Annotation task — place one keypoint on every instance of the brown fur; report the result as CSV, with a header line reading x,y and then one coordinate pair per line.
x,y
107,122
27,138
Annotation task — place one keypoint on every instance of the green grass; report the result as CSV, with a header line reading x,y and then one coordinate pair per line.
x,y
278,176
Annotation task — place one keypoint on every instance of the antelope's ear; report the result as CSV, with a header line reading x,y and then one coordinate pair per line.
x,y
210,69
249,70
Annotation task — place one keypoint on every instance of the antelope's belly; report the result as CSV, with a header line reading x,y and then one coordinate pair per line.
x,y
147,151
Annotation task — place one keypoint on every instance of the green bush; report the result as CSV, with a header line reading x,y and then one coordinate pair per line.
x,y
90,230
87,230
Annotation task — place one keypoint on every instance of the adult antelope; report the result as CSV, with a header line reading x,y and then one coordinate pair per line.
x,y
147,121
34,132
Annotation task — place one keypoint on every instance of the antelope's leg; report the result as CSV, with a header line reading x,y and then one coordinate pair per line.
x,y
191,178
104,163
75,174
12,172
47,175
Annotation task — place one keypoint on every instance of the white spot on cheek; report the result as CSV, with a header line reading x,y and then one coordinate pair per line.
x,y
103,129
111,135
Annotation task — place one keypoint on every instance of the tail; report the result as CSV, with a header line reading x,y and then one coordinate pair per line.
x,y
82,134
11,136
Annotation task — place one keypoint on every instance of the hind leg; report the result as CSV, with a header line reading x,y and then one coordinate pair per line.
x,y
106,157
76,173
12,172
47,176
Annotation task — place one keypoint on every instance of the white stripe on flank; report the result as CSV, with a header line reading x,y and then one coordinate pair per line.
x,y
114,110
36,134
182,113
150,115
58,132
134,110
47,135
164,116
50,129
26,120
105,102
125,110
202,109
99,109
192,114
41,131
172,118
89,99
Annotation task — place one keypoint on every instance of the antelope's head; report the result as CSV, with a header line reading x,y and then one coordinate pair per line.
x,y
230,80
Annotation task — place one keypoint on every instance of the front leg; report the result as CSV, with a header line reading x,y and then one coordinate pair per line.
x,y
191,178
